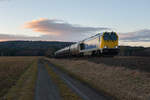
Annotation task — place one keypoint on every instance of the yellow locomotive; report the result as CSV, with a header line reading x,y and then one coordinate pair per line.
x,y
105,43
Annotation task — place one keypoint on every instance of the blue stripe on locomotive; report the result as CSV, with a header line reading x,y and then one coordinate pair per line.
x,y
87,46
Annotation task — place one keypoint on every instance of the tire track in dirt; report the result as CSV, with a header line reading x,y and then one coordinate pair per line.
x,y
85,92
45,88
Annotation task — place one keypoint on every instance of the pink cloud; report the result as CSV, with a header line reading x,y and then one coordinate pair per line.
x,y
59,27
137,36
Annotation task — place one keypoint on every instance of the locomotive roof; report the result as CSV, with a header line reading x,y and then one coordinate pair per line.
x,y
98,34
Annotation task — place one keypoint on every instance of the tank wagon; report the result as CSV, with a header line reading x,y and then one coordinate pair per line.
x,y
101,44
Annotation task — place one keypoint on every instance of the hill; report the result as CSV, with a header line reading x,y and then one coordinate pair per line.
x,y
30,48
47,48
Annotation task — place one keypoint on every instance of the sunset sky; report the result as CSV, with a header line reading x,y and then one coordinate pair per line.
x,y
74,20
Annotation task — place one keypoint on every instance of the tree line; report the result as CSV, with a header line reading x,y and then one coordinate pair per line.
x,y
47,48
31,48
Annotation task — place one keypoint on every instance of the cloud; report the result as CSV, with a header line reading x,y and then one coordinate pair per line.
x,y
55,27
144,44
137,36
8,37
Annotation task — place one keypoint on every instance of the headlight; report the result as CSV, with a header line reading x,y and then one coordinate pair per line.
x,y
105,46
116,46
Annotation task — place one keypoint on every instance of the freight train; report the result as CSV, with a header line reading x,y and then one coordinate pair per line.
x,y
101,44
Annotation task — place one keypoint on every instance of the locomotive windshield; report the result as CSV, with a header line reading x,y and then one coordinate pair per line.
x,y
110,36
113,36
106,36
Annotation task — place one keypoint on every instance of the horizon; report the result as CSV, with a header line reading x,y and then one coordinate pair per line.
x,y
75,20
61,41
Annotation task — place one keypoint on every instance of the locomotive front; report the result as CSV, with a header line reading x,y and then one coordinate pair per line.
x,y
109,43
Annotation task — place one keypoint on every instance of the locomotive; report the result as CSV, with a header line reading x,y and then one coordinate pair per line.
x,y
101,44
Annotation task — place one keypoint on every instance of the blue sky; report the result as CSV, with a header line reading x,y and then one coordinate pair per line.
x,y
122,16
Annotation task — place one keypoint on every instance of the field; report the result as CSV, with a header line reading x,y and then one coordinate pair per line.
x,y
138,63
124,78
11,69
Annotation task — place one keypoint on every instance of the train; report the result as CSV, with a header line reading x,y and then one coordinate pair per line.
x,y
101,44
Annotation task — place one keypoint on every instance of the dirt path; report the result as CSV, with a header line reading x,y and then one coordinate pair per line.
x,y
85,92
45,88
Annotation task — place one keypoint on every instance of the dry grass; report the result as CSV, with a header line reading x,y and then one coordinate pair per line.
x,y
25,86
120,82
139,63
65,92
11,69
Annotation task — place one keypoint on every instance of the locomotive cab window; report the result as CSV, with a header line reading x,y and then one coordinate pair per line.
x,y
110,36
106,36
82,46
113,36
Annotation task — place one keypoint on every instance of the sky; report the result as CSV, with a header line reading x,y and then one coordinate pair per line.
x,y
74,20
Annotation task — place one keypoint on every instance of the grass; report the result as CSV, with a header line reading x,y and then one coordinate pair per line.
x,y
25,86
135,63
120,82
65,92
11,68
